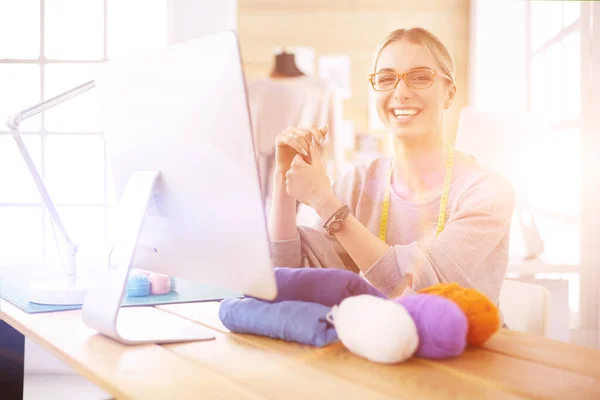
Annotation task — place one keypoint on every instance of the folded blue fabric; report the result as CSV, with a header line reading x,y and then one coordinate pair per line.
x,y
138,286
295,321
325,286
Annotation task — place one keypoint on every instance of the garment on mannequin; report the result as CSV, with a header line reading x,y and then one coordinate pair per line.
x,y
289,97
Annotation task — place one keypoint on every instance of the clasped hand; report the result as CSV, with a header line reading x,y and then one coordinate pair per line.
x,y
298,156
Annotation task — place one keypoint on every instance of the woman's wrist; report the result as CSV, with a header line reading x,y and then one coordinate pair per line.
x,y
279,178
279,173
327,205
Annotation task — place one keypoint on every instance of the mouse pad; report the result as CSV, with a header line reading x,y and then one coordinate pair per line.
x,y
14,289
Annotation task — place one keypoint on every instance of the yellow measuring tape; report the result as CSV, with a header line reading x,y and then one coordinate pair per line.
x,y
385,211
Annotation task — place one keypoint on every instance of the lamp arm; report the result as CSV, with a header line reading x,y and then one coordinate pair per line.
x,y
13,124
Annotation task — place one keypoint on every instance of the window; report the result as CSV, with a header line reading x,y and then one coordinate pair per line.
x,y
555,97
48,47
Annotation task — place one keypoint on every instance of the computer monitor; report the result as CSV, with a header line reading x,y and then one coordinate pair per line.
x,y
179,142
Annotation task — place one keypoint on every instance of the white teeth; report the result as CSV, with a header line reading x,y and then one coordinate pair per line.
x,y
405,111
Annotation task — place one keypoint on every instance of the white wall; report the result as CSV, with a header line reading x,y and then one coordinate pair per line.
x,y
590,176
192,19
497,56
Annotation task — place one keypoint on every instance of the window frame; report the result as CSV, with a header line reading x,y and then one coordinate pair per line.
x,y
42,61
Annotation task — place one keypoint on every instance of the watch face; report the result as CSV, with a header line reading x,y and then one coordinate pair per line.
x,y
335,226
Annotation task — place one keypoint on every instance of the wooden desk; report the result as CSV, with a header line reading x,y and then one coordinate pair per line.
x,y
512,365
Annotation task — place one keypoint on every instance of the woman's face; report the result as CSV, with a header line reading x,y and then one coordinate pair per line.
x,y
408,112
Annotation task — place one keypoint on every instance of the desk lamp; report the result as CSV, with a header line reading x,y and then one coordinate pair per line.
x,y
68,290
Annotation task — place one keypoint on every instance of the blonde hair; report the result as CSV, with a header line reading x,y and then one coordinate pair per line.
x,y
424,38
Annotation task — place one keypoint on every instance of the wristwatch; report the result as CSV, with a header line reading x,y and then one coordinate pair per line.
x,y
335,223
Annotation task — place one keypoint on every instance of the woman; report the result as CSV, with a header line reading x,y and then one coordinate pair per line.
x,y
430,214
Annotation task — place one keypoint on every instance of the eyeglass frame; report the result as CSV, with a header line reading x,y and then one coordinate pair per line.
x,y
402,77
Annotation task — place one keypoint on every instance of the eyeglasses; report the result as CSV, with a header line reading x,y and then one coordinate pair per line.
x,y
420,78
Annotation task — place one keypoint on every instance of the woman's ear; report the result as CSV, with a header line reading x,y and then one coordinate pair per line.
x,y
450,98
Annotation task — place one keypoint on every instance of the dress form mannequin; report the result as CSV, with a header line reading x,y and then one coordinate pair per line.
x,y
285,66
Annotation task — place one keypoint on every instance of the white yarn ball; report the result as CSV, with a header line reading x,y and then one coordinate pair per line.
x,y
375,328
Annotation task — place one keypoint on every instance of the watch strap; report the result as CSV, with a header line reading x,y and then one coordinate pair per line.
x,y
333,224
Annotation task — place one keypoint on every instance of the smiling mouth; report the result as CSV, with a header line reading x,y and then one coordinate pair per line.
x,y
403,114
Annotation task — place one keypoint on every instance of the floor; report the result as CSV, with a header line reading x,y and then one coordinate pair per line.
x,y
46,377
60,387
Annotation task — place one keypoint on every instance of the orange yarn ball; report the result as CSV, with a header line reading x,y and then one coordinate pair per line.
x,y
482,315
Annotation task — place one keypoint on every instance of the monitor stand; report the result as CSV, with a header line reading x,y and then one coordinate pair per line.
x,y
102,309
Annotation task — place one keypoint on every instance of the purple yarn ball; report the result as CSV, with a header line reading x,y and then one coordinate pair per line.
x,y
441,324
